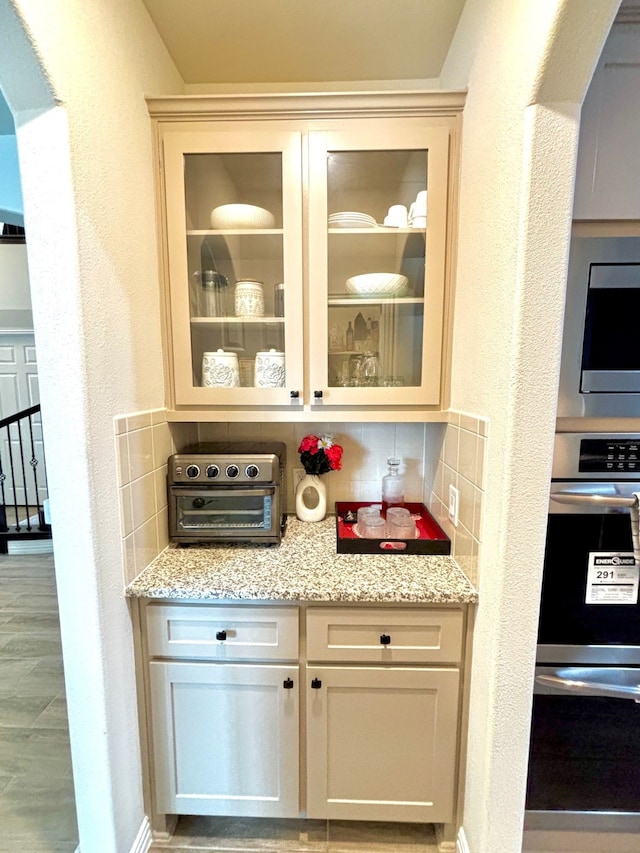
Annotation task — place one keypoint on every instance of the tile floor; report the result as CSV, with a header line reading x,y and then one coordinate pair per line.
x,y
259,835
37,806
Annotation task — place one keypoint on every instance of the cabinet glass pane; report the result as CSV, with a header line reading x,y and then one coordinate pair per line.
x,y
376,228
234,235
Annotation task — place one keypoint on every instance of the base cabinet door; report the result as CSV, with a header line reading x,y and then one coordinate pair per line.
x,y
225,738
381,743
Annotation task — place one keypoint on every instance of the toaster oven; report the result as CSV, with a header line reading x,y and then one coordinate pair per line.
x,y
227,492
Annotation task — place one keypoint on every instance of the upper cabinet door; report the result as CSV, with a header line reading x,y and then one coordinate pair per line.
x,y
233,206
377,242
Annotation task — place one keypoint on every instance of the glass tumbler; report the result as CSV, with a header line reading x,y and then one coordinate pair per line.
x,y
401,528
374,527
398,513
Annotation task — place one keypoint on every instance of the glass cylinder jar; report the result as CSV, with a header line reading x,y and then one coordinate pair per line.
x,y
212,294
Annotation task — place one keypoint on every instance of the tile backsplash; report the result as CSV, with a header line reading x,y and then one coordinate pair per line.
x,y
143,445
434,455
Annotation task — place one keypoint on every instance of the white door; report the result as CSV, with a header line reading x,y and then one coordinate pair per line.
x,y
225,738
19,391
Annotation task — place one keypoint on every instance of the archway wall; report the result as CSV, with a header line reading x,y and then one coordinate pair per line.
x,y
527,66
75,75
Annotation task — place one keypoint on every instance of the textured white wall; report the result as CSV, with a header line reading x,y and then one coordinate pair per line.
x,y
86,170
526,65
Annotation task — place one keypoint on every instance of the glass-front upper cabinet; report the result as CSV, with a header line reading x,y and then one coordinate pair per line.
x,y
233,206
377,240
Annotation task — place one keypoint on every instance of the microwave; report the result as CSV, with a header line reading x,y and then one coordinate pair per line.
x,y
600,366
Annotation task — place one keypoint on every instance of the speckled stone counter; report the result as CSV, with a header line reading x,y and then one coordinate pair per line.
x,y
304,567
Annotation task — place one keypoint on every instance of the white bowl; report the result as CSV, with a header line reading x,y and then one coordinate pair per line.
x,y
377,284
241,216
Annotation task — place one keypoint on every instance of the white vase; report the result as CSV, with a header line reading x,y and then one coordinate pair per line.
x,y
311,498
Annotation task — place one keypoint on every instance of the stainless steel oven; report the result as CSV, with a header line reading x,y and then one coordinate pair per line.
x,y
584,761
600,367
227,492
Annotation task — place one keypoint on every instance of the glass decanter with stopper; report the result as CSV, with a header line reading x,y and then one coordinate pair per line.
x,y
392,485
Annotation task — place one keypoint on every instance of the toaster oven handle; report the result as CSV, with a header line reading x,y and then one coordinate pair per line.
x,y
196,491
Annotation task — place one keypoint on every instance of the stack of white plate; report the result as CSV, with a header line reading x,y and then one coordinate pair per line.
x,y
351,219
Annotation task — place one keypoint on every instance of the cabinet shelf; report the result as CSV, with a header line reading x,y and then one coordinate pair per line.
x,y
242,232
378,231
375,300
238,321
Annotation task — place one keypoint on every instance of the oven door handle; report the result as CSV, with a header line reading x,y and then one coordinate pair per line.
x,y
566,496
580,684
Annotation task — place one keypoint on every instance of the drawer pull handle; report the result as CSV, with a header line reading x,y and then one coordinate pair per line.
x,y
385,639
221,635
316,683
287,683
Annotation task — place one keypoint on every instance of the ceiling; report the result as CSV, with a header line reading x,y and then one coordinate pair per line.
x,y
305,41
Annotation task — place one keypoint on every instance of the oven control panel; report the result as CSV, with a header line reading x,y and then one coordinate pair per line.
x,y
609,455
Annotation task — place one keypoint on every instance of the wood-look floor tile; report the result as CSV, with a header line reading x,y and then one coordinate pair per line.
x,y
347,836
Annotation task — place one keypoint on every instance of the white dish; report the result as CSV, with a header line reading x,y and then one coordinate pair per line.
x,y
377,284
241,216
351,216
352,223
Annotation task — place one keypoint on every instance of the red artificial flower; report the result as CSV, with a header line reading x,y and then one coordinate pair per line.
x,y
309,444
334,455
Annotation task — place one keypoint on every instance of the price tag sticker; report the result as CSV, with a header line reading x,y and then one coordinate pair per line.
x,y
612,578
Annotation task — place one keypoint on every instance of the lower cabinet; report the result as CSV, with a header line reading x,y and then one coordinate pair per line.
x,y
376,691
381,743
225,738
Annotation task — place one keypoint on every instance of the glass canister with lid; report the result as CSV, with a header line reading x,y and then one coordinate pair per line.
x,y
249,298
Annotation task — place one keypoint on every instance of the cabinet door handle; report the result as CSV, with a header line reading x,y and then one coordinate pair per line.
x,y
318,395
316,684
385,639
287,683
294,394
221,635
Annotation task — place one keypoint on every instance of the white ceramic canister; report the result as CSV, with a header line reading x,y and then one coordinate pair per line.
x,y
220,369
249,298
269,369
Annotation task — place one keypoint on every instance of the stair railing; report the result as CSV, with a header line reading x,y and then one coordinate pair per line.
x,y
19,476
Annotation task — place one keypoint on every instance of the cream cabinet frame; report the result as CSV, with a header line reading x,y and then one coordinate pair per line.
x,y
305,129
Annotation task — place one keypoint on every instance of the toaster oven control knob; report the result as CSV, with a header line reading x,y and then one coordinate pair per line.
x,y
198,503
232,471
252,471
212,471
192,472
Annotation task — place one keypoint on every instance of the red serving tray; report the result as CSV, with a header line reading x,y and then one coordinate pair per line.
x,y
431,537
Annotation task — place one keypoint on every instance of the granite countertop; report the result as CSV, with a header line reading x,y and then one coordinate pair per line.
x,y
304,567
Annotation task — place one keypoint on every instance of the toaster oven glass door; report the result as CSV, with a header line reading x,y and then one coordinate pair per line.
x,y
231,514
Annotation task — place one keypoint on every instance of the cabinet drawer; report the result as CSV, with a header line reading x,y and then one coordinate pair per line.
x,y
382,635
222,633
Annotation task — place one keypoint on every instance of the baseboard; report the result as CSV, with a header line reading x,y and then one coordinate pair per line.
x,y
143,839
461,845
